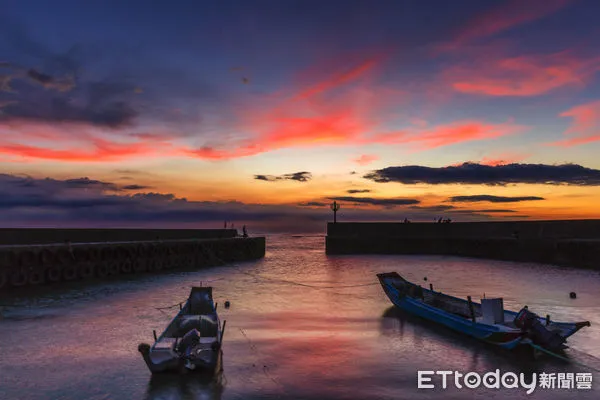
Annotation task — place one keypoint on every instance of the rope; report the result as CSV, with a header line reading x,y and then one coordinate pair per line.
x,y
239,269
265,368
563,358
305,284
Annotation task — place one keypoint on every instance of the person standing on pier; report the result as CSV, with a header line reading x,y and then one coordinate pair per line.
x,y
244,232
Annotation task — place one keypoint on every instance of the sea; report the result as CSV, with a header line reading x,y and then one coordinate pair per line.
x,y
301,325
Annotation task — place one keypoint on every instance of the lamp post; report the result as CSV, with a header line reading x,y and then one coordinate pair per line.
x,y
335,207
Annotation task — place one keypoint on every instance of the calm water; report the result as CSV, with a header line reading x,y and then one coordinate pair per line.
x,y
284,337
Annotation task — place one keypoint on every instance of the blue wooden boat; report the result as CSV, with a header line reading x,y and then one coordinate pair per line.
x,y
192,340
487,321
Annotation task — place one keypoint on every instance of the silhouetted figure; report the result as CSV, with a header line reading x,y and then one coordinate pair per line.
x,y
440,220
405,221
244,232
225,225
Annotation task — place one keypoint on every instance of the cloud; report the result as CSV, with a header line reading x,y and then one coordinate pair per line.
x,y
49,82
353,191
303,176
492,199
87,182
85,202
366,159
312,204
504,158
376,202
136,187
448,134
501,18
436,208
477,174
76,143
585,127
526,75
104,105
497,210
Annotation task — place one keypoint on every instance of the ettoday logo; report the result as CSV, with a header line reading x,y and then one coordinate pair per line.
x,y
508,380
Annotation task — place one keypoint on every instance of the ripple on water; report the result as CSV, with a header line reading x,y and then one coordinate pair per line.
x,y
294,329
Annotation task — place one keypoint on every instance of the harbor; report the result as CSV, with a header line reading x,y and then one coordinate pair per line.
x,y
302,325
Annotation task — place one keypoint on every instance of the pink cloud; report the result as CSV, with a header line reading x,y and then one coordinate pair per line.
x,y
528,75
366,159
502,18
449,134
585,127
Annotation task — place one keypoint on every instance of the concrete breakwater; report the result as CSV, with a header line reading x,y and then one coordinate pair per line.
x,y
29,236
53,263
550,248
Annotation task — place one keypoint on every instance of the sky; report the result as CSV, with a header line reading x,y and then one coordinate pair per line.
x,y
264,112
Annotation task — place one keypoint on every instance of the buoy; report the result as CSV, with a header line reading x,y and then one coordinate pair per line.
x,y
573,295
227,304
425,278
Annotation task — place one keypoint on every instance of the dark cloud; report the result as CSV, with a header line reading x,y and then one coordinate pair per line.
x,y
437,208
377,202
105,104
492,199
136,187
296,176
312,204
353,191
472,173
85,202
352,172
49,82
494,211
87,182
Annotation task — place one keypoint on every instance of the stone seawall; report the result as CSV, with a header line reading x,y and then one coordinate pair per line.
x,y
28,236
549,249
46,264
570,229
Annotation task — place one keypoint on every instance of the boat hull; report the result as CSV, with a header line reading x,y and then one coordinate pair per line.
x,y
466,317
191,342
487,333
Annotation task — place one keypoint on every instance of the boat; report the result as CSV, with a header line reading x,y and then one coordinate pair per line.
x,y
486,321
193,339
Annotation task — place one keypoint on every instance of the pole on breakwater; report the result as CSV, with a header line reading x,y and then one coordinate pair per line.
x,y
335,207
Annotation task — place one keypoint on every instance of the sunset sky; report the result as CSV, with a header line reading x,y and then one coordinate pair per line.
x,y
189,113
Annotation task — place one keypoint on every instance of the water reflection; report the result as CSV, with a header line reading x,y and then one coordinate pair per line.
x,y
186,386
478,356
283,340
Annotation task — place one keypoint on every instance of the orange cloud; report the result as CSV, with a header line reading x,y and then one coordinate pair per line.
x,y
449,134
503,17
522,76
585,126
366,159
